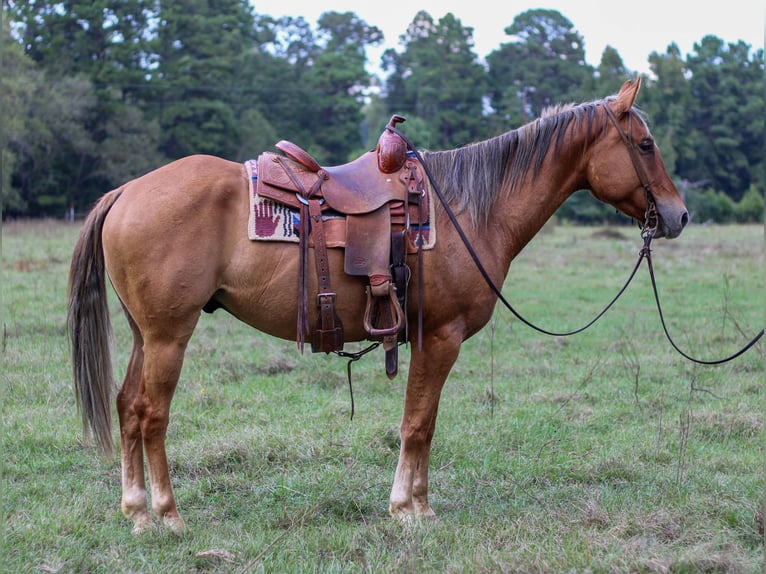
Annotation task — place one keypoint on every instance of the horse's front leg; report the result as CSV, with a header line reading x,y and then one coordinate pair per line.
x,y
428,372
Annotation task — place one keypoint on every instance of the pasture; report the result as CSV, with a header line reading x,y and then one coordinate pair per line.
x,y
604,452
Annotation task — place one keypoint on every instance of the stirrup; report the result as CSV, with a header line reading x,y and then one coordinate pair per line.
x,y
398,313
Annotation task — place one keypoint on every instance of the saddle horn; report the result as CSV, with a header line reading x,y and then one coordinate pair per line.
x,y
392,150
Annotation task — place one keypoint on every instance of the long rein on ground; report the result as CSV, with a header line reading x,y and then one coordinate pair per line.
x,y
648,230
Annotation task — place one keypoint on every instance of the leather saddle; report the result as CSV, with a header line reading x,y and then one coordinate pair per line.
x,y
379,196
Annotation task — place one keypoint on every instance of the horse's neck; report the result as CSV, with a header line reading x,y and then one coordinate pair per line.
x,y
520,214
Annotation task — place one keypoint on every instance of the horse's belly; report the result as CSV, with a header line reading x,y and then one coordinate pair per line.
x,y
266,294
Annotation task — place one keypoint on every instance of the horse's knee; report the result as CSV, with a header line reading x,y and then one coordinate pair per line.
x,y
151,415
416,441
413,435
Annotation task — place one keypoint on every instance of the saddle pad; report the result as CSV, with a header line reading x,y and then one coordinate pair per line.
x,y
272,221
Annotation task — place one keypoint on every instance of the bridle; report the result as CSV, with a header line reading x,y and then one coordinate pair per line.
x,y
648,230
651,218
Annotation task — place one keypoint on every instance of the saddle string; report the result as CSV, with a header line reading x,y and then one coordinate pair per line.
x,y
647,233
420,275
302,328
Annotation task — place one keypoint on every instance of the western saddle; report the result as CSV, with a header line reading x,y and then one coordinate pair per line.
x,y
368,206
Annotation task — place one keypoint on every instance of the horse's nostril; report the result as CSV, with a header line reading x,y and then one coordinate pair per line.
x,y
684,219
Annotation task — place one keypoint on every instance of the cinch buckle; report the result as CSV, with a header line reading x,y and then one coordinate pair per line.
x,y
332,295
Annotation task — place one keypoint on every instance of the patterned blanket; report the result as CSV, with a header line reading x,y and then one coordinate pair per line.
x,y
271,221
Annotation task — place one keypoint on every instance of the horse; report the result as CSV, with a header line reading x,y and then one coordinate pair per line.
x,y
172,243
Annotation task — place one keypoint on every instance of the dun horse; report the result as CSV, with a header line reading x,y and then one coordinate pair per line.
x,y
173,243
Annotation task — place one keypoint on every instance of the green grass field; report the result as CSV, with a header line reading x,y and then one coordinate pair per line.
x,y
602,452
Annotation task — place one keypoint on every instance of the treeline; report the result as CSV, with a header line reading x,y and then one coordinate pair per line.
x,y
96,92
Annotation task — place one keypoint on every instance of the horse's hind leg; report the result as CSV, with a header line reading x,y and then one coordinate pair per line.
x,y
131,445
162,363
143,405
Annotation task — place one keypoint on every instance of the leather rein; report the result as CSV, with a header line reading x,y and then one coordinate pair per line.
x,y
648,229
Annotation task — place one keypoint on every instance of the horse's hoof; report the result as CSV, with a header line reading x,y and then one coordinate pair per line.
x,y
406,519
141,525
409,517
176,525
424,512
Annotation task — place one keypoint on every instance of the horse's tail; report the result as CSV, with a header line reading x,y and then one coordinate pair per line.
x,y
90,329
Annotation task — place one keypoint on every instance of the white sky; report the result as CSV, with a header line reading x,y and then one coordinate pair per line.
x,y
634,28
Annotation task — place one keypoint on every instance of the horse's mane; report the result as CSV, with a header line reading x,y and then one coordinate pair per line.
x,y
472,177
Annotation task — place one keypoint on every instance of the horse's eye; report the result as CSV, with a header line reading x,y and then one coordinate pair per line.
x,y
646,146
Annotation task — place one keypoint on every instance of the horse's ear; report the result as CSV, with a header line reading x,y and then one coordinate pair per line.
x,y
627,95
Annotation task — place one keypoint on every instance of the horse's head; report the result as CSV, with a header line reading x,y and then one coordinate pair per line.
x,y
625,168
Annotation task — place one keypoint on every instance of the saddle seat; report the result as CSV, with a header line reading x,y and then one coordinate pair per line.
x,y
351,188
381,193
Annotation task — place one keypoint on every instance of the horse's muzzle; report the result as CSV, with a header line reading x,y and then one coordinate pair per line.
x,y
671,222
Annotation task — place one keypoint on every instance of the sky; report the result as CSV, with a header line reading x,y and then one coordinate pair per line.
x,y
635,29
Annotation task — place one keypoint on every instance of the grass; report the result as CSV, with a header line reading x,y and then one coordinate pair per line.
x,y
603,452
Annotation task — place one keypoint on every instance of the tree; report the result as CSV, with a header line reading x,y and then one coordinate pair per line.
x,y
667,101
310,83
45,142
727,117
337,81
200,48
544,64
96,92
610,74
107,40
437,78
270,83
17,87
91,58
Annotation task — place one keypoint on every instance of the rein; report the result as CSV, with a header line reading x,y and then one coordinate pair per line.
x,y
647,233
646,252
648,230
483,270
